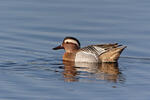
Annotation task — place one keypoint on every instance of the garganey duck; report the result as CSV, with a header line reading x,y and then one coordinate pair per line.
x,y
92,53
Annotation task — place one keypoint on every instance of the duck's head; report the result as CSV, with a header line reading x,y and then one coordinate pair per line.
x,y
70,44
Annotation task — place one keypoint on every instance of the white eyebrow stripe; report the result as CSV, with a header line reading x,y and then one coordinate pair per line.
x,y
71,41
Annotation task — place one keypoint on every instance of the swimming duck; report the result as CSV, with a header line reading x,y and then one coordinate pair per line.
x,y
92,53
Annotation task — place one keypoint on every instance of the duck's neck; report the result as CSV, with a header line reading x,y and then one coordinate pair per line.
x,y
69,56
70,52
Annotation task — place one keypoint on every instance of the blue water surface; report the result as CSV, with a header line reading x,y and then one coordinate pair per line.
x,y
31,70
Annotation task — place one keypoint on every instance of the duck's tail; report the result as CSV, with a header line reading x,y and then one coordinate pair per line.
x,y
112,55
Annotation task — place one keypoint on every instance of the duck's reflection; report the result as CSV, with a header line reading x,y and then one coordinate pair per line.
x,y
103,71
70,71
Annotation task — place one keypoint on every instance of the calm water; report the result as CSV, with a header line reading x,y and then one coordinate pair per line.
x,y
31,70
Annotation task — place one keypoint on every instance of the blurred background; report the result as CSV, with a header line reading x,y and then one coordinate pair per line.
x,y
30,69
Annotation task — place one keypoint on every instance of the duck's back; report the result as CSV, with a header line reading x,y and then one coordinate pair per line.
x,y
99,53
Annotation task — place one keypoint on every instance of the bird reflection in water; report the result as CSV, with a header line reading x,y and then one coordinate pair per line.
x,y
73,71
70,71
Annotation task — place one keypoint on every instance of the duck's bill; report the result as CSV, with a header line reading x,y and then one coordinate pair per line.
x,y
58,47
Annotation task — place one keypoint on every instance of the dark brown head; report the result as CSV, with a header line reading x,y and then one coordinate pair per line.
x,y
70,44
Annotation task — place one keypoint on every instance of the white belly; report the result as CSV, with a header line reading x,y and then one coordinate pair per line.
x,y
86,57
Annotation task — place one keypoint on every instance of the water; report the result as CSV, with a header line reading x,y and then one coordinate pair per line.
x,y
31,70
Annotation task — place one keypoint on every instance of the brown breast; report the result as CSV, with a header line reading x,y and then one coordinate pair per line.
x,y
69,56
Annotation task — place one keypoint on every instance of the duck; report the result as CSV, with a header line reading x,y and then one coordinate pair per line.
x,y
99,53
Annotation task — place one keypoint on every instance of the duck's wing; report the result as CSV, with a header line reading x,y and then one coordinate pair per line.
x,y
107,46
99,49
112,52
